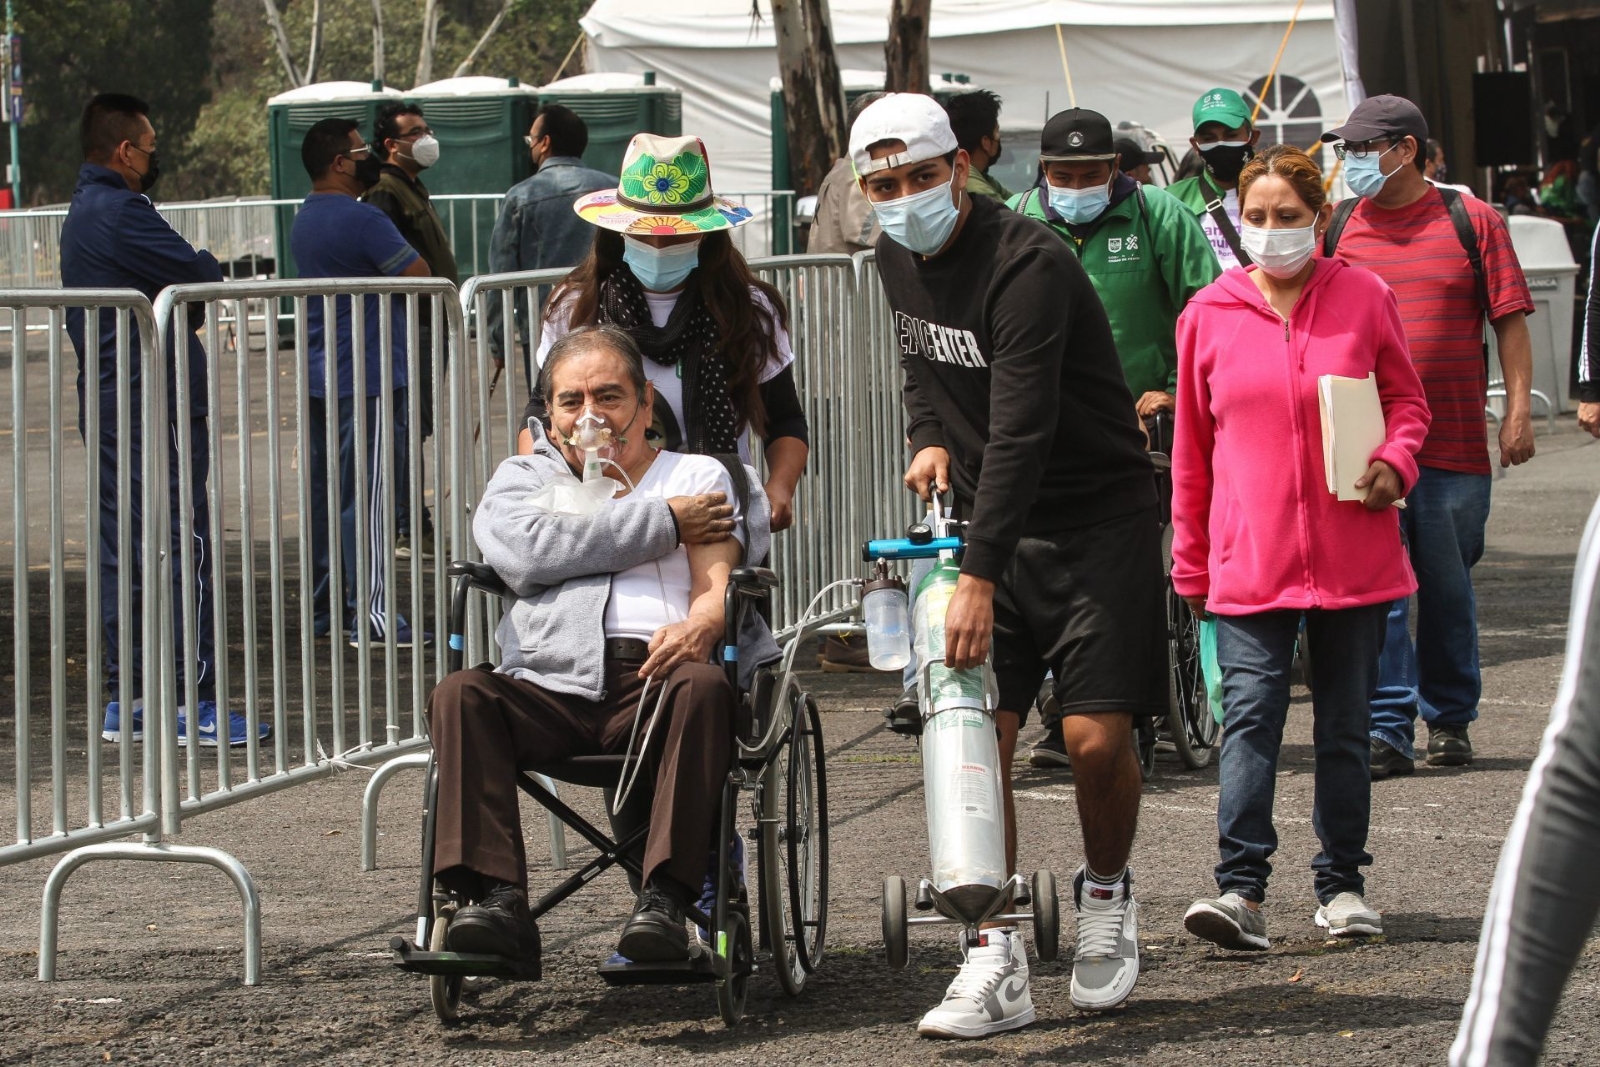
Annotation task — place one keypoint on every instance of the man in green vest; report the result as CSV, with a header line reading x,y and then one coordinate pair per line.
x,y
1145,254
1225,139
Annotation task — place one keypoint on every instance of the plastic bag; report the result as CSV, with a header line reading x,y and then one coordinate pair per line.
x,y
1210,670
566,495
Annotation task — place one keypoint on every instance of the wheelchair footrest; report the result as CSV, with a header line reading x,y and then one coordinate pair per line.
x,y
673,972
410,958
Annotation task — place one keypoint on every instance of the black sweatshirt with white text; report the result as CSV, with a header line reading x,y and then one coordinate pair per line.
x,y
1010,366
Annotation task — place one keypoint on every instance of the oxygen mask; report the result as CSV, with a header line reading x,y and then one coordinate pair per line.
x,y
589,435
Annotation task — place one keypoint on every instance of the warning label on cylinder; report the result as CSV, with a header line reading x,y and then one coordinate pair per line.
x,y
975,791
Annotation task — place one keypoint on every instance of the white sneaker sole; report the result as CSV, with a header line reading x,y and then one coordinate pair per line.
x,y
116,735
1211,924
1043,757
1357,928
1082,1003
969,1033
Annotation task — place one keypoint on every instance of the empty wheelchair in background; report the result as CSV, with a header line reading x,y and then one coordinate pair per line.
x,y
778,763
1189,726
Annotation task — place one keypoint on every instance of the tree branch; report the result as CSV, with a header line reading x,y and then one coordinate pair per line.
x,y
280,38
477,49
377,41
430,35
316,42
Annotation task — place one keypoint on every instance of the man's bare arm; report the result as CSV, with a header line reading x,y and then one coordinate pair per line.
x,y
692,640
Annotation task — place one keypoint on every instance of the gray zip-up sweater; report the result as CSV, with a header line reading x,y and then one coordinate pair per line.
x,y
560,568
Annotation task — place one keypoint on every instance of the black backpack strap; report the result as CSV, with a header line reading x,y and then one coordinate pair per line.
x,y
1341,215
1219,215
1469,241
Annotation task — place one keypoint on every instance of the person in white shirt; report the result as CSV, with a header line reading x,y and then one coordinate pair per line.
x,y
1225,137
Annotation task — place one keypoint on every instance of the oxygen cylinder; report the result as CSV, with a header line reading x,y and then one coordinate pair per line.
x,y
960,759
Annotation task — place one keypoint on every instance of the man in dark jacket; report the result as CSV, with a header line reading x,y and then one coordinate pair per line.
x,y
408,147
537,228
1015,399
113,238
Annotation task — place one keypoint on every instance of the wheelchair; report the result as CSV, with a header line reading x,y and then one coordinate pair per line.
x,y
1189,725
778,761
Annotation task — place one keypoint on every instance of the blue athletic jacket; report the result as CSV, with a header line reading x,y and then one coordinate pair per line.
x,y
115,239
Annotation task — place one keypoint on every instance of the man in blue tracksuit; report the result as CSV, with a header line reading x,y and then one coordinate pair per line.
x,y
113,238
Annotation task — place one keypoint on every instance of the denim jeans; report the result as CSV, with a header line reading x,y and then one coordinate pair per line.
x,y
1443,527
1254,653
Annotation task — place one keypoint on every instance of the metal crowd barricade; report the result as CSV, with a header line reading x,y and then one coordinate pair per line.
x,y
501,317
125,493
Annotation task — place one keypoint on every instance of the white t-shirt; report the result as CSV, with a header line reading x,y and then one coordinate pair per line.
x,y
668,383
1214,234
645,598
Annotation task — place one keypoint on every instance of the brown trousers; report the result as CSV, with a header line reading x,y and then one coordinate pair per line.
x,y
486,726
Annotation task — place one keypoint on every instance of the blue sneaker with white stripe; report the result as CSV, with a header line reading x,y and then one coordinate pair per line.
x,y
206,727
112,730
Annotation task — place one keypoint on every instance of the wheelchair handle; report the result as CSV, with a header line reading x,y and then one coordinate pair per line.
x,y
905,548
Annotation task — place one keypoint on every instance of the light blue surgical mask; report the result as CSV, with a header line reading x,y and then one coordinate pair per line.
x,y
1364,174
1080,205
922,221
660,270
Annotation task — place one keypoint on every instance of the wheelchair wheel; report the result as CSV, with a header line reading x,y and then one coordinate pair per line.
x,y
735,986
772,858
1046,916
1144,743
1189,719
806,835
896,945
444,989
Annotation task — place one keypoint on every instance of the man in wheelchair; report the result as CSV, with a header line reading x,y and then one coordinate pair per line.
x,y
618,611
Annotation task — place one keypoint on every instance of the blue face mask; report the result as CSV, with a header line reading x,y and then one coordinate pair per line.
x,y
1365,174
1080,205
922,221
660,270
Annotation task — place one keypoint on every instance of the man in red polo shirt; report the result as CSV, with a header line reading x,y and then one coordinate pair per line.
x,y
1402,230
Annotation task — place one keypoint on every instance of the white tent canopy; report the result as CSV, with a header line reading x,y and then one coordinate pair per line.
x,y
1139,60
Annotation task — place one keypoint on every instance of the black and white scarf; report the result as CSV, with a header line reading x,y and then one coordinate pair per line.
x,y
711,421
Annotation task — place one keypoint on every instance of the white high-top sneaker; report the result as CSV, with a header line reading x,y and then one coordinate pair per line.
x,y
1106,965
989,994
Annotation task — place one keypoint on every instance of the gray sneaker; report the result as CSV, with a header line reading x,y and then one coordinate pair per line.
x,y
1228,921
1347,915
990,993
1106,964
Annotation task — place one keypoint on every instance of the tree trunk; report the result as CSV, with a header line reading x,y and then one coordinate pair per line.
x,y
430,36
280,38
316,43
377,42
813,96
472,56
905,53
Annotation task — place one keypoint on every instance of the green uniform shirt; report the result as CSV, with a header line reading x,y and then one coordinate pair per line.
x,y
981,184
1145,264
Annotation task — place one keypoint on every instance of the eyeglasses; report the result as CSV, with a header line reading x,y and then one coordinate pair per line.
x,y
420,131
364,150
1360,149
527,139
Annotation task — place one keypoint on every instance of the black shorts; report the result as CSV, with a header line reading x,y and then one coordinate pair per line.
x,y
1089,606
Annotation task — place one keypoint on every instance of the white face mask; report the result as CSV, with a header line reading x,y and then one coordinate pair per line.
x,y
1282,253
425,151
1081,205
660,270
922,221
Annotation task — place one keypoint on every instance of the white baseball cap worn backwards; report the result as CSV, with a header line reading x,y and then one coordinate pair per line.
x,y
915,120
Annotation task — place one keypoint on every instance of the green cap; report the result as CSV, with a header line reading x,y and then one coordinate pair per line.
x,y
1221,105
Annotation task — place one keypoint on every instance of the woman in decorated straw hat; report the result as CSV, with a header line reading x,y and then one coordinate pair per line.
x,y
714,335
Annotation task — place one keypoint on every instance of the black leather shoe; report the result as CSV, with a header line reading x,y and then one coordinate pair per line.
x,y
1448,746
903,716
1388,761
656,933
498,925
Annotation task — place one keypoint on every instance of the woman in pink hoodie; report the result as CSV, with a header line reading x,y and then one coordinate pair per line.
x,y
1260,542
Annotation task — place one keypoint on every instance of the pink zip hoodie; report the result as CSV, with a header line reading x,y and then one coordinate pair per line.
x,y
1255,528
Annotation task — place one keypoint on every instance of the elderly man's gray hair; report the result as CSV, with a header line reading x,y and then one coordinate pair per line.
x,y
587,339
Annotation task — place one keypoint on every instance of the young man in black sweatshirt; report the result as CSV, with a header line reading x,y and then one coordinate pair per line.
x,y
1015,398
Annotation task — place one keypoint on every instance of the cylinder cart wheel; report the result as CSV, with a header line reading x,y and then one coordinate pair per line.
x,y
806,835
1046,916
895,944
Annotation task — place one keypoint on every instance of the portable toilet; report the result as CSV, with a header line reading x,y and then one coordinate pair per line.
x,y
289,116
480,123
615,106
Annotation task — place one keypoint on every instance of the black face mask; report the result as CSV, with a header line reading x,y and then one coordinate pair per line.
x,y
152,171
368,170
1226,161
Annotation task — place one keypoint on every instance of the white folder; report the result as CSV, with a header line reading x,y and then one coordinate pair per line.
x,y
1352,430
